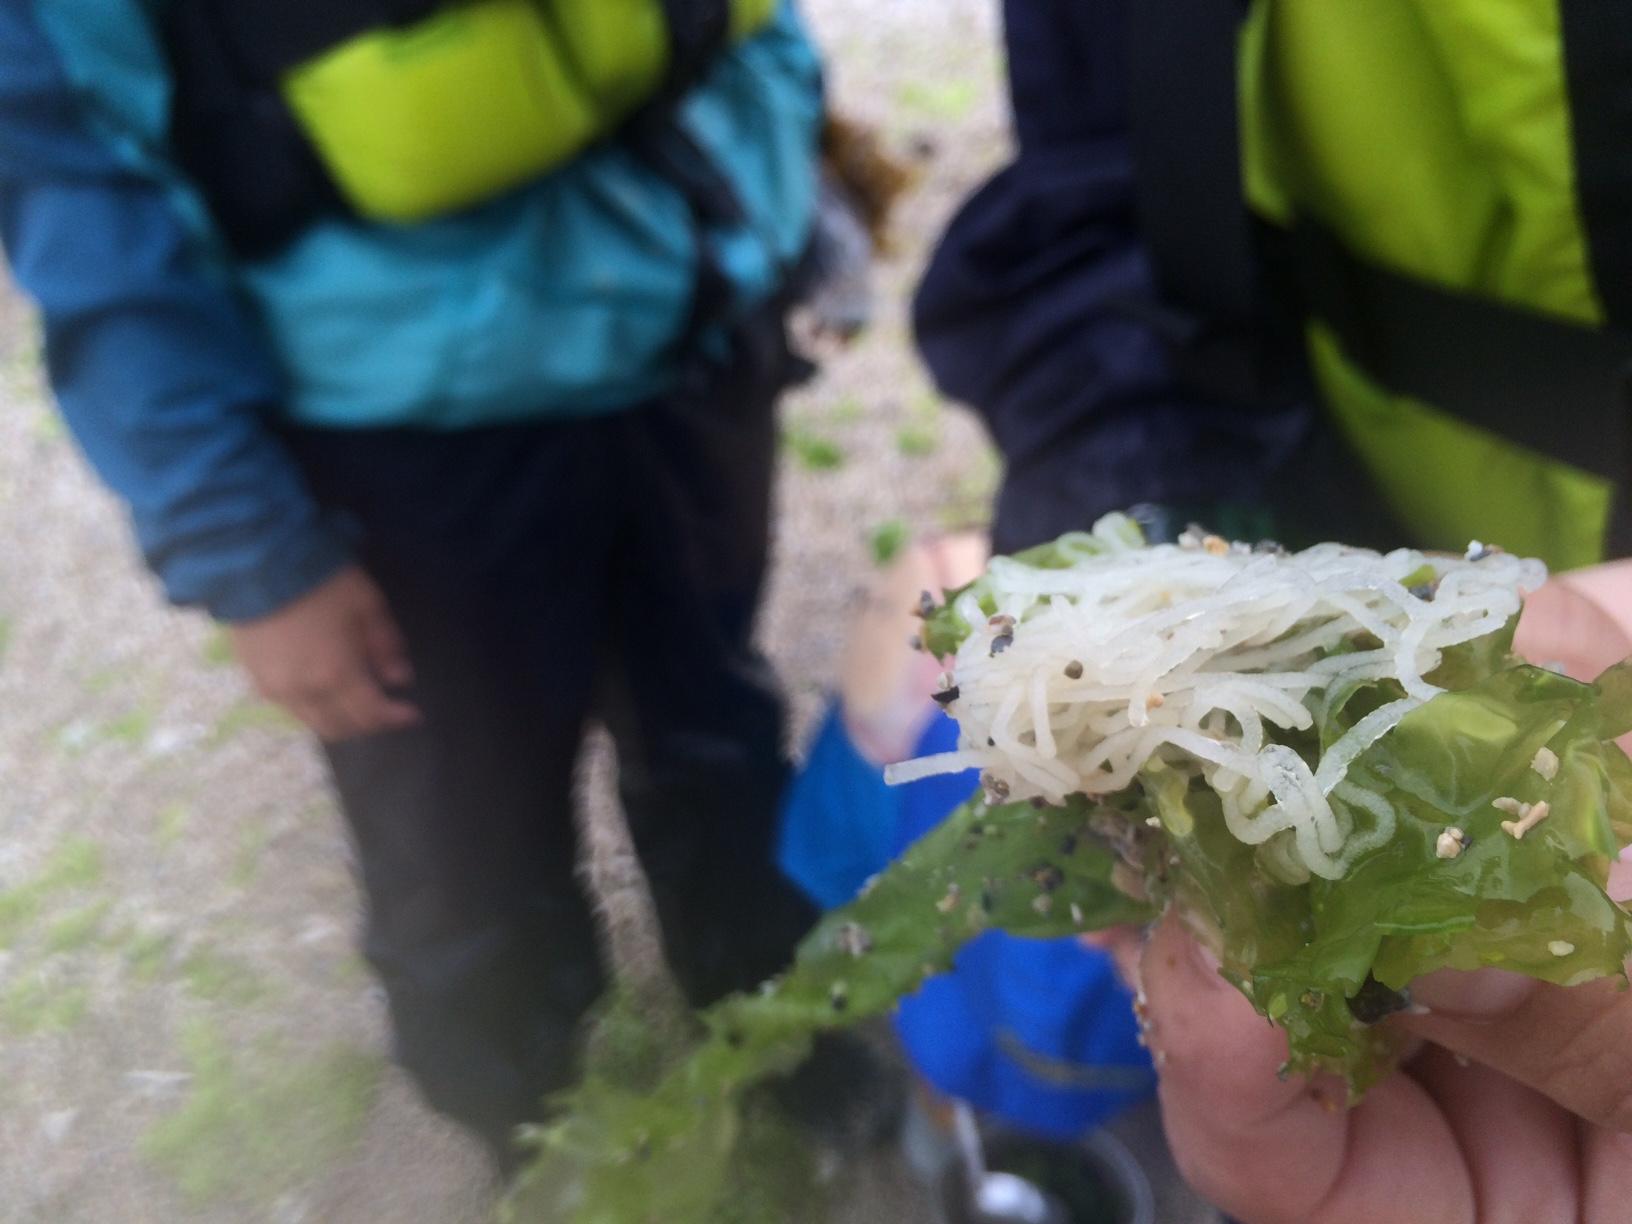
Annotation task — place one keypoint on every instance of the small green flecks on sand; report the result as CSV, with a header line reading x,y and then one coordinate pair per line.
x,y
33,1003
131,727
848,409
5,636
77,863
18,906
49,427
172,822
250,715
947,101
318,813
352,970
77,929
252,842
217,650
259,1123
813,451
970,502
888,539
925,404
146,953
102,680
915,441
218,978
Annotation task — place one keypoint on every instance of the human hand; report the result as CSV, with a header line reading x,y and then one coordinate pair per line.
x,y
1514,1099
1571,620
1517,1109
328,657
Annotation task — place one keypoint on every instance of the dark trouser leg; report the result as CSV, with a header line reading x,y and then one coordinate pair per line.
x,y
699,721
695,710
492,549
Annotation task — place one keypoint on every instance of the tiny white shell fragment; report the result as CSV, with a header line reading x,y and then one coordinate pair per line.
x,y
1561,947
1451,843
1530,815
1545,764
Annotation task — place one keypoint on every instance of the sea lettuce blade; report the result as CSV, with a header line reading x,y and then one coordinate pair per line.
x,y
1534,904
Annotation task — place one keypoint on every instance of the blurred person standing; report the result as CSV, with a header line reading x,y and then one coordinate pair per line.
x,y
434,347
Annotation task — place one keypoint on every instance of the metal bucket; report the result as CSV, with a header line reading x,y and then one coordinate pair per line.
x,y
1094,1181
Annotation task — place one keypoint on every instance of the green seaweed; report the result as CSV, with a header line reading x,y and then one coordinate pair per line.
x,y
623,1146
1322,959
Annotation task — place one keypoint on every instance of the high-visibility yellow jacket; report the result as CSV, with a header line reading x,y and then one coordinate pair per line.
x,y
1480,147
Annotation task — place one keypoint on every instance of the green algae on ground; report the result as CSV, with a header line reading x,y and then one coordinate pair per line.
x,y
256,1125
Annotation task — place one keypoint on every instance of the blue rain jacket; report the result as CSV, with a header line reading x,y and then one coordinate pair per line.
x,y
173,363
1038,1032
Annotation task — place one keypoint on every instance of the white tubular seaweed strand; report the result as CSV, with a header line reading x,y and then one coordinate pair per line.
x,y
1202,651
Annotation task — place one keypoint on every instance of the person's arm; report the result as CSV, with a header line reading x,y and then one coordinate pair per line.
x,y
1029,310
164,379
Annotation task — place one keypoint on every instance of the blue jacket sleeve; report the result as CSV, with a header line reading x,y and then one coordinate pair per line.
x,y
156,364
1023,312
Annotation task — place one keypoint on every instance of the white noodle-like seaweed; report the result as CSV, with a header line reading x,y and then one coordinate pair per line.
x,y
1202,654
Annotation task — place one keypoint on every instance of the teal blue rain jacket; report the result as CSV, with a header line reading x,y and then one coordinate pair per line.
x,y
170,360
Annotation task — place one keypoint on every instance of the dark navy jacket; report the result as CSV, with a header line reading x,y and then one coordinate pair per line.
x,y
1022,312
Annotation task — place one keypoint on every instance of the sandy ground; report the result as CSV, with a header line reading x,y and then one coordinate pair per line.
x,y
185,1031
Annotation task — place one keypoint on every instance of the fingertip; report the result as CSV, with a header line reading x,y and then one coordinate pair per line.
x,y
1209,1042
1481,995
1256,1144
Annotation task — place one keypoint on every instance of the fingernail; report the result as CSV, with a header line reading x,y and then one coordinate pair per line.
x,y
1485,994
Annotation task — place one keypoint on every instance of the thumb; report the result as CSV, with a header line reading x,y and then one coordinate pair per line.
x,y
1572,1044
1235,1127
1277,1151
